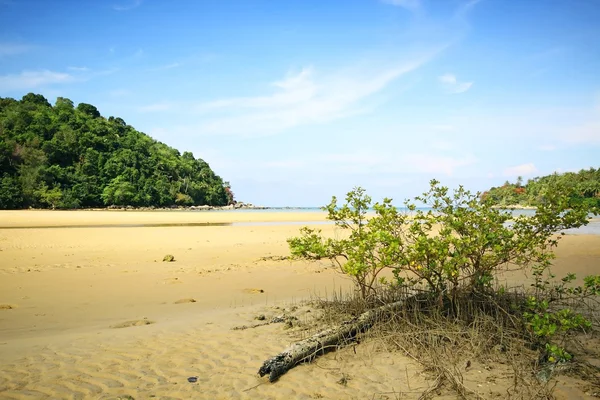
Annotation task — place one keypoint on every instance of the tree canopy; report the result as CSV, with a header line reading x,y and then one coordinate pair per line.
x,y
64,156
583,188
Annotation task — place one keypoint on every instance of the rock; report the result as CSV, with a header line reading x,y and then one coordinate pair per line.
x,y
169,258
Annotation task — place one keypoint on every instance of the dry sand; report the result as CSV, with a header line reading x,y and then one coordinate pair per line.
x,y
93,312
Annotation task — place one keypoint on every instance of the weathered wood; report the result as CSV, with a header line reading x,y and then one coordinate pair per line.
x,y
308,349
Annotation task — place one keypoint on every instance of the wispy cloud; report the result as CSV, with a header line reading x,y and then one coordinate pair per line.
x,y
156,107
10,49
442,128
368,162
520,170
301,98
33,79
547,147
586,133
78,69
294,89
443,145
452,84
119,93
166,67
438,164
128,6
408,4
466,7
543,55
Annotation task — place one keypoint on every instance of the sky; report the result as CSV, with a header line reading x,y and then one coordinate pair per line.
x,y
295,101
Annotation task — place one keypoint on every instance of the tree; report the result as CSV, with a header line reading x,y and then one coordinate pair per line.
x,y
88,109
36,99
10,192
460,243
118,192
519,181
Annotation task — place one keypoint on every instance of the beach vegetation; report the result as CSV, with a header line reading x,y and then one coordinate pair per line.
x,y
451,256
458,242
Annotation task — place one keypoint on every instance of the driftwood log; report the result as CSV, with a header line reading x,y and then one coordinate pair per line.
x,y
308,349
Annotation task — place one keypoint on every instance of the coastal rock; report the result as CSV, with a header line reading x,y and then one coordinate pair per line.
x,y
204,207
236,206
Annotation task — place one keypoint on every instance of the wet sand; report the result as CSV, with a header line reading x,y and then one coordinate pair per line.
x,y
94,312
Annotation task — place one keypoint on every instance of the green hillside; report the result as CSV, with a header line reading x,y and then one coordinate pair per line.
x,y
584,187
64,156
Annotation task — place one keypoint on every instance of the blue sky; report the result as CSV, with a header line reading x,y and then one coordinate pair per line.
x,y
295,101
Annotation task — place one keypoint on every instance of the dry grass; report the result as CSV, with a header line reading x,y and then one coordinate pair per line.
x,y
459,343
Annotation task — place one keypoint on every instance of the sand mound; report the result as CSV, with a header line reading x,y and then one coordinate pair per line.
x,y
128,324
184,301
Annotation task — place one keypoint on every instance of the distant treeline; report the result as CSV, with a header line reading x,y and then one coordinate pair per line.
x,y
584,187
64,156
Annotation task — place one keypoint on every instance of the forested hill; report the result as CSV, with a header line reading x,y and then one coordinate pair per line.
x,y
584,187
64,156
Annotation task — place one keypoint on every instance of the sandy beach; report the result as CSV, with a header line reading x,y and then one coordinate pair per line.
x,y
88,308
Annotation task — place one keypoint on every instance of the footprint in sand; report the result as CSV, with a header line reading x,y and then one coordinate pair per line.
x,y
7,306
183,301
137,322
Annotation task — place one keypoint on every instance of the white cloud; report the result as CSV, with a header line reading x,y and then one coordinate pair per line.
x,y
300,98
443,145
78,69
9,49
452,85
445,128
520,170
588,132
294,89
369,162
466,7
128,6
119,93
156,107
285,164
408,4
436,164
166,67
547,147
33,79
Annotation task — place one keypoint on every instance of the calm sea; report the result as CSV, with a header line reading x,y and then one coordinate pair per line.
x,y
592,228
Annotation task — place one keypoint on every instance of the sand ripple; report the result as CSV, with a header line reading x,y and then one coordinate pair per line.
x,y
225,362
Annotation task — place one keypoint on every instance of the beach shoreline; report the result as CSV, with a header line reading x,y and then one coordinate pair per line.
x,y
95,312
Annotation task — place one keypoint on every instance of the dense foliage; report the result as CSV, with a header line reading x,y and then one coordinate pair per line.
x,y
583,187
64,156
